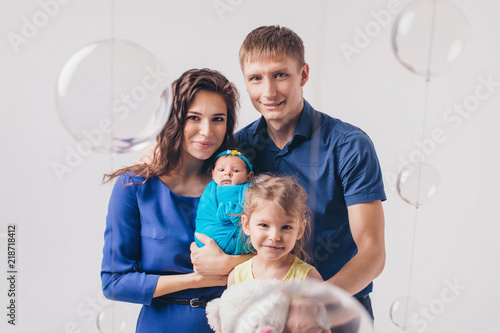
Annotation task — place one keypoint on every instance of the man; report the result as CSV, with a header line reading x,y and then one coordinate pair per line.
x,y
334,161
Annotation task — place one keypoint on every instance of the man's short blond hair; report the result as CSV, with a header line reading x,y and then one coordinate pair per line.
x,y
272,42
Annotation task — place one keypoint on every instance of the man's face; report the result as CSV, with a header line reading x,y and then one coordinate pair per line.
x,y
275,88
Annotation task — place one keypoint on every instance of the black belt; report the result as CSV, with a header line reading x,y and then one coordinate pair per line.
x,y
194,302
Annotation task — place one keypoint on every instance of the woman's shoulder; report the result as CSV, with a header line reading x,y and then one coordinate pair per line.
x,y
129,178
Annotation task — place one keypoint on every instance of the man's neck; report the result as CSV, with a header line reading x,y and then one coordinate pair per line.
x,y
282,132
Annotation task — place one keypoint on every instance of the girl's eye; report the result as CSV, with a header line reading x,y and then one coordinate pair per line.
x,y
218,119
192,118
262,225
236,170
287,227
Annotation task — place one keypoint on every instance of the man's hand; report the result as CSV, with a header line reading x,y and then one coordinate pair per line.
x,y
147,155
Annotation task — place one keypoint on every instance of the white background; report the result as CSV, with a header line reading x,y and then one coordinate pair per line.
x,y
61,221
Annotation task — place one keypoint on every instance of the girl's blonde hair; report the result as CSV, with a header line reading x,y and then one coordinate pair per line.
x,y
284,192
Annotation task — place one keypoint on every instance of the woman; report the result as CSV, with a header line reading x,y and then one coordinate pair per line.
x,y
151,215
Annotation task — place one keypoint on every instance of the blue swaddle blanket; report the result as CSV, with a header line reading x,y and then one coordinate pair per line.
x,y
218,217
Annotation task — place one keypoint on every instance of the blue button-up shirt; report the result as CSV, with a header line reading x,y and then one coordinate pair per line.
x,y
337,165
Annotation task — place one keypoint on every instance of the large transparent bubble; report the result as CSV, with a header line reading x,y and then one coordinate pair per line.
x,y
112,319
405,312
113,96
430,36
303,306
418,184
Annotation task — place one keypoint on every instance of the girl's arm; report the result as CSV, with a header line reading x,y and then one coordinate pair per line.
x,y
230,279
314,274
211,260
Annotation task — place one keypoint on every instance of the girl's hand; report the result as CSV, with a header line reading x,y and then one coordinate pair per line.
x,y
209,259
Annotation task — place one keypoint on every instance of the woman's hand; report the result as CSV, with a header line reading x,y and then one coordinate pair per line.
x,y
209,259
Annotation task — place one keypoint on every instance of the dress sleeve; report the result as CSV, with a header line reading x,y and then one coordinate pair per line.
x,y
359,169
121,273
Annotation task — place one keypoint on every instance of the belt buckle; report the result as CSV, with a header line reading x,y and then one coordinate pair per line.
x,y
193,301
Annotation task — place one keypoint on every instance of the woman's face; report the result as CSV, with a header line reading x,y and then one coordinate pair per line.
x,y
205,128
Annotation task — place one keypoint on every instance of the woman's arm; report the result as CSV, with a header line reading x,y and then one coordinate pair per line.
x,y
211,260
122,276
171,283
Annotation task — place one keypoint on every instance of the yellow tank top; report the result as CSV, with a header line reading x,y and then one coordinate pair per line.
x,y
298,271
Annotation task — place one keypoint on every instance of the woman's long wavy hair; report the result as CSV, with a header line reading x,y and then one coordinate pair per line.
x,y
167,154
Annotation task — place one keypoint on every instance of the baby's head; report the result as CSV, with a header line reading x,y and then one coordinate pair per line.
x,y
232,168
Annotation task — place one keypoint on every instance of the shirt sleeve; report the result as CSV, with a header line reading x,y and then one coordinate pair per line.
x,y
121,274
359,169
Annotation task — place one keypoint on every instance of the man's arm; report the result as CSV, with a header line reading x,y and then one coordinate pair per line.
x,y
367,227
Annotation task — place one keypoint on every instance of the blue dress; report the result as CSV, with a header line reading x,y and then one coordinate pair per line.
x,y
148,233
219,217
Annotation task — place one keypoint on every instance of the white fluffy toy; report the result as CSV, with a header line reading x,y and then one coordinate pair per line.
x,y
267,306
265,314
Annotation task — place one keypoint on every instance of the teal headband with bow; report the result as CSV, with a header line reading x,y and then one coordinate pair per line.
x,y
234,152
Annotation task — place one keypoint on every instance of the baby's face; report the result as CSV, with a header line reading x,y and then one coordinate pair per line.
x,y
231,170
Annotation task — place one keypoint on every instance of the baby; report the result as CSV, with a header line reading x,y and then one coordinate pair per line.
x,y
221,203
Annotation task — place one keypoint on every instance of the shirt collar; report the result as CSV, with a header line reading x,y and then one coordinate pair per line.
x,y
303,128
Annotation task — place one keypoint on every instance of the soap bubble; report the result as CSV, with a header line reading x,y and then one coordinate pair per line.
x,y
112,319
303,306
404,312
418,184
430,36
113,96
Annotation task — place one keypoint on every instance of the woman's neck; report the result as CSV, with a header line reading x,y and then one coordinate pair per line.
x,y
271,269
188,179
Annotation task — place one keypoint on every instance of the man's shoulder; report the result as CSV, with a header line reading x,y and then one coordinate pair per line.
x,y
336,127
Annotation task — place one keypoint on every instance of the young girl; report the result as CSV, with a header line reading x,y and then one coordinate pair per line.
x,y
276,219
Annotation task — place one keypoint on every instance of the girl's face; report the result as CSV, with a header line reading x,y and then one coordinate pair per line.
x,y
272,232
205,127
